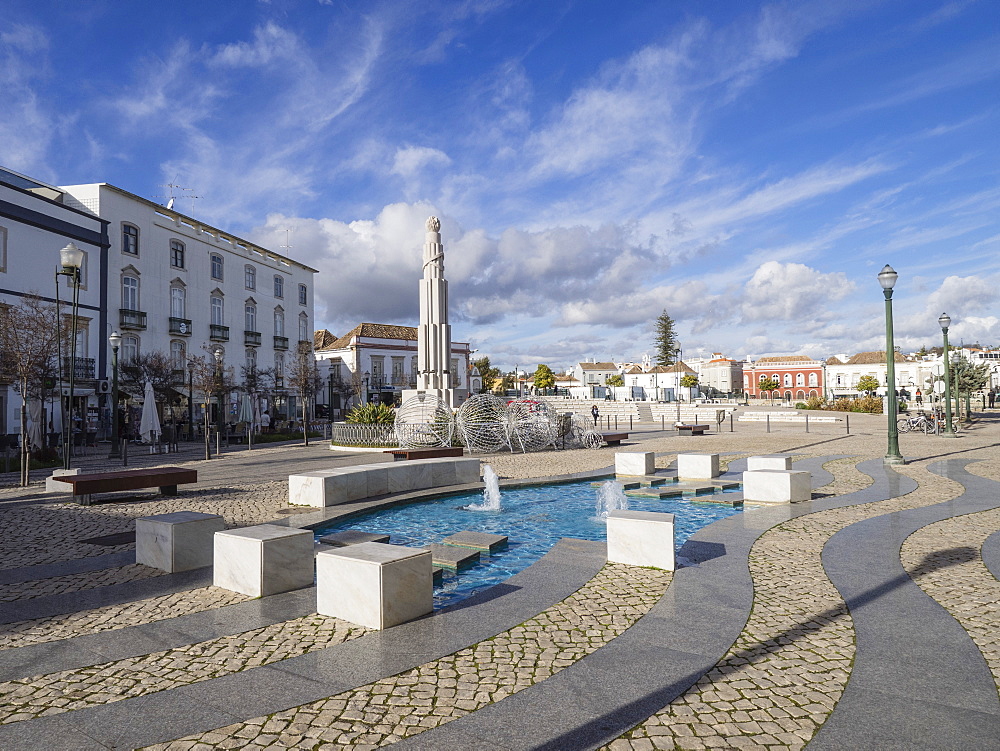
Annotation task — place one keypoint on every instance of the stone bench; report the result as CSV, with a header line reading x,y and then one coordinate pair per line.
x,y
614,439
373,584
165,478
635,463
263,560
180,541
692,429
769,461
777,486
698,466
345,484
641,538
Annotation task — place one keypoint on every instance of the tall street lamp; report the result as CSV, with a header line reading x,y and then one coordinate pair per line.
x,y
70,258
190,369
220,418
945,321
115,340
887,278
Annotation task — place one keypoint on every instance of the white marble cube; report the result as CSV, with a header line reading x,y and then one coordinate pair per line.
x,y
777,486
641,538
467,470
635,462
698,466
374,584
769,461
54,486
263,560
180,541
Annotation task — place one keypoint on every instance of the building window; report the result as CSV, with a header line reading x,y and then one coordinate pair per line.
x,y
813,379
217,266
279,323
130,293
251,358
177,254
279,286
130,239
178,354
250,317
217,311
130,349
177,302
250,277
279,364
303,295
303,329
3,249
762,377
800,379
788,379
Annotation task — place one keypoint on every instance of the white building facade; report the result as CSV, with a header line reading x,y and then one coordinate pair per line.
x,y
184,288
35,223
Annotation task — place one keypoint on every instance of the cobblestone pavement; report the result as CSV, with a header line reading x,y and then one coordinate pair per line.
x,y
112,617
443,690
781,679
944,560
67,690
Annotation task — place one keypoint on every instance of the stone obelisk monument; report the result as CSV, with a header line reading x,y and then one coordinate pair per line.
x,y
434,333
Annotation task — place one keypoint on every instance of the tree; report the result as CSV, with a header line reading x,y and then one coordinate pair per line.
x,y
689,381
667,345
868,384
967,377
544,377
211,381
28,354
768,384
304,379
491,376
616,380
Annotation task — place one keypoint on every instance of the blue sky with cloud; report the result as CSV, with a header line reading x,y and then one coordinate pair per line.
x,y
748,167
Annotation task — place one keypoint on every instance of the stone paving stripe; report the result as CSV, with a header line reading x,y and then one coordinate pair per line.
x,y
991,553
917,677
218,702
71,602
77,583
62,568
162,634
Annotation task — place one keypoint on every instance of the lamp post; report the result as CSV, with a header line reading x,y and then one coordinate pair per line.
x,y
220,417
945,321
887,278
70,258
115,340
190,369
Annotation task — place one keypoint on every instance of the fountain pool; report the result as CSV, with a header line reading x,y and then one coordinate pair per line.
x,y
533,517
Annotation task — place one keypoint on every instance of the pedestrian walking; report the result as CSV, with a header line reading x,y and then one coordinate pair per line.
x,y
993,398
595,414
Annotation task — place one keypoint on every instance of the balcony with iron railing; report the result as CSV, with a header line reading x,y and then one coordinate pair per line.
x,y
83,368
131,319
281,342
251,338
218,333
178,376
180,326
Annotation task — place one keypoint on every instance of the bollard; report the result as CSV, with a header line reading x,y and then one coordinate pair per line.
x,y
124,452
730,422
630,422
616,423
807,422
768,416
847,417
662,423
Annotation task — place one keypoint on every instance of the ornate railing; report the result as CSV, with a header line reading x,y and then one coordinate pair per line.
x,y
131,319
218,333
83,368
351,434
251,338
180,326
281,342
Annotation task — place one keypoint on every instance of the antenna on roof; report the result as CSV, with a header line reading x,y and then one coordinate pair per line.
x,y
288,242
171,198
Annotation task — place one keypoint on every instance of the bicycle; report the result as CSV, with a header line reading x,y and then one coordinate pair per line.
x,y
917,422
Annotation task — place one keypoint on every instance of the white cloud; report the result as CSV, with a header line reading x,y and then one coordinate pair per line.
x,y
791,291
27,126
410,160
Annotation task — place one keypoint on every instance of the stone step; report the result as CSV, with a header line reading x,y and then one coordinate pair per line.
x,y
352,537
451,557
658,492
726,499
481,541
437,575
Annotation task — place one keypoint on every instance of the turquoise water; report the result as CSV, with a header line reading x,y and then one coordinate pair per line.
x,y
534,518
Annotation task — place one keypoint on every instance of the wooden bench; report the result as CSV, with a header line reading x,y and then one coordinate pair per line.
x,y
614,439
165,478
692,429
404,454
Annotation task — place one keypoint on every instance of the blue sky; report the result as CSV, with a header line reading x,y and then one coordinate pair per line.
x,y
748,167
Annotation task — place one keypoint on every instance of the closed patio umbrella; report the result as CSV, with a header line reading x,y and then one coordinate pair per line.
x,y
246,416
149,422
35,428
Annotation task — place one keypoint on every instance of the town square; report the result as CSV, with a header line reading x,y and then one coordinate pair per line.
x,y
499,375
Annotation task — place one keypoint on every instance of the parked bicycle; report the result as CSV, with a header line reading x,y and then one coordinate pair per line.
x,y
917,422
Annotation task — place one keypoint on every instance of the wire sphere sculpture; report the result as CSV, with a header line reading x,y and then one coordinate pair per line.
x,y
424,421
578,431
482,423
531,425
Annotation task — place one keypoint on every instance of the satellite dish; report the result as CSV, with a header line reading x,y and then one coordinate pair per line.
x,y
170,203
